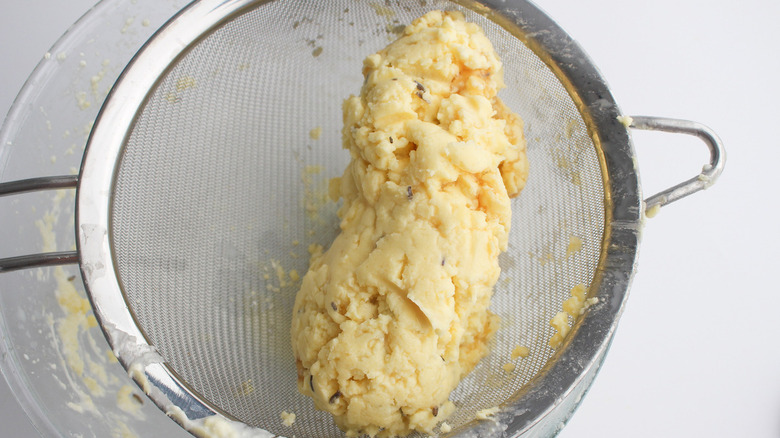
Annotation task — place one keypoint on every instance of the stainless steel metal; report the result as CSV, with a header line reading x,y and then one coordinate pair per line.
x,y
94,204
34,184
182,262
604,210
710,172
35,260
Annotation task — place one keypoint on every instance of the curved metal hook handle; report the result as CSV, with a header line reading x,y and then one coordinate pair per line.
x,y
709,173
46,259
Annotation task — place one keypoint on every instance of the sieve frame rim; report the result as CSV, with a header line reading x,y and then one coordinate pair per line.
x,y
571,369
94,203
565,371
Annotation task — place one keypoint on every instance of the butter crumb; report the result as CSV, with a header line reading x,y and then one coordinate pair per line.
x,y
315,249
574,307
136,372
185,82
246,387
91,321
520,351
560,323
315,133
487,413
288,418
127,25
312,169
127,400
382,10
589,302
93,386
280,274
445,428
509,367
652,211
625,120
81,100
575,244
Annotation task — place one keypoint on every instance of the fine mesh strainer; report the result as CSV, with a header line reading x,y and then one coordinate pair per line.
x,y
204,182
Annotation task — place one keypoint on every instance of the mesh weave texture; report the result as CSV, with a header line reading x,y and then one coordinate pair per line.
x,y
221,188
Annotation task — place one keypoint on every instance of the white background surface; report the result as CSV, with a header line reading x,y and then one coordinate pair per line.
x,y
697,352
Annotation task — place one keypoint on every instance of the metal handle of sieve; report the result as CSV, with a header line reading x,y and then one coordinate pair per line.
x,y
44,259
709,173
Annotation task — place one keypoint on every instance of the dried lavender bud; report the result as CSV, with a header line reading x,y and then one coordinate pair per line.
x,y
419,86
390,140
333,306
409,194
435,411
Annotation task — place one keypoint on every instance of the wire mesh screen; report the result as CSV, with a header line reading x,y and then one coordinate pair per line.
x,y
222,187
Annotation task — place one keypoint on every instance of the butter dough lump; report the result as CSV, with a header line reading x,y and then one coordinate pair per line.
x,y
395,313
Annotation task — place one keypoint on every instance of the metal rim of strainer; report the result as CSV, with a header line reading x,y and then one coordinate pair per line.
x,y
120,110
568,373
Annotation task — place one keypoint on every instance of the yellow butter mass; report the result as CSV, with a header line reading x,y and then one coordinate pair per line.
x,y
392,316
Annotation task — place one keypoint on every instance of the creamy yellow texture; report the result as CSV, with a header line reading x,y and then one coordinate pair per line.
x,y
573,307
395,312
288,418
520,351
